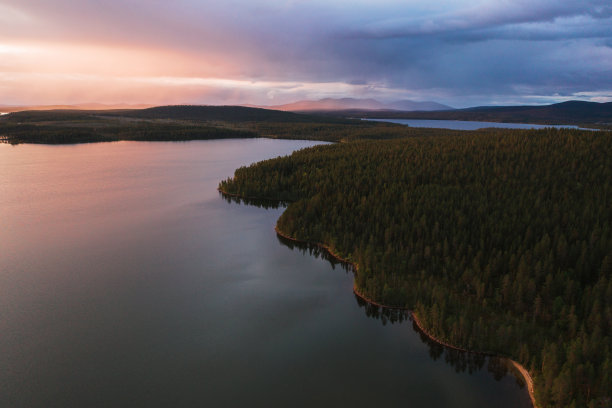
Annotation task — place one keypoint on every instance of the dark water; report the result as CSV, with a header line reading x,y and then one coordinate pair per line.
x,y
126,280
469,125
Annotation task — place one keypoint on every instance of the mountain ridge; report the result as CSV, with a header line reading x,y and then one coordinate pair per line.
x,y
570,112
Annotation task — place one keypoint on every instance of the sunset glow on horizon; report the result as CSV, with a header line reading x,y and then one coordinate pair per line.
x,y
267,53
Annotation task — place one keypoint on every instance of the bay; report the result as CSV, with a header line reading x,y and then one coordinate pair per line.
x,y
127,280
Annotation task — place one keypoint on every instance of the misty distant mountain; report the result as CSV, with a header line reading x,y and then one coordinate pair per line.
x,y
408,105
332,104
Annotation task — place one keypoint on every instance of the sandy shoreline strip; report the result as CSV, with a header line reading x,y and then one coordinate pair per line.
x,y
522,370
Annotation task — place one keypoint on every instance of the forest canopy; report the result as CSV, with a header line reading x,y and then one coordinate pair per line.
x,y
499,241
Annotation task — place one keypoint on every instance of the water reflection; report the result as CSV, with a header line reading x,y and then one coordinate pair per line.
x,y
384,314
316,251
461,361
150,290
267,204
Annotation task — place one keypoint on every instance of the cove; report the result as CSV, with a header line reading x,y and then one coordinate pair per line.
x,y
126,279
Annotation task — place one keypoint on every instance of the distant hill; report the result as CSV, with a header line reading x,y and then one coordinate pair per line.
x,y
332,104
332,110
189,113
83,106
220,113
572,112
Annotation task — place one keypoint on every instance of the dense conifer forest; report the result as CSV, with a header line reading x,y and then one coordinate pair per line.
x,y
500,241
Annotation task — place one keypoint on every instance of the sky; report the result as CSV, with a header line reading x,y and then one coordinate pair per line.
x,y
264,52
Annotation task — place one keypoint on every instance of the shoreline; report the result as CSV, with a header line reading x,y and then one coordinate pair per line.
x,y
418,323
327,248
519,367
272,200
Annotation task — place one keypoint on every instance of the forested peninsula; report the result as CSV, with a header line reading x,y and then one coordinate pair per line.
x,y
499,240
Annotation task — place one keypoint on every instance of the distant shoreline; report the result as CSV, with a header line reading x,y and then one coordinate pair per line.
x,y
473,125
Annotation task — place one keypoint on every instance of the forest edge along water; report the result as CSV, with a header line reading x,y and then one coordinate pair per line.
x,y
521,371
132,282
458,227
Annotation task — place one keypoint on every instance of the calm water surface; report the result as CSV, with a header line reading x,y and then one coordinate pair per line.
x,y
469,125
127,281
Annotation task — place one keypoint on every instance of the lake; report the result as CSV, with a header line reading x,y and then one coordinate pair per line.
x,y
468,125
127,280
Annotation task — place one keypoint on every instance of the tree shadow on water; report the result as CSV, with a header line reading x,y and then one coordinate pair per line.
x,y
257,202
461,361
315,250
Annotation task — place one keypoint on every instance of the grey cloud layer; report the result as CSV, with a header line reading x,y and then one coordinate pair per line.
x,y
486,16
471,49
